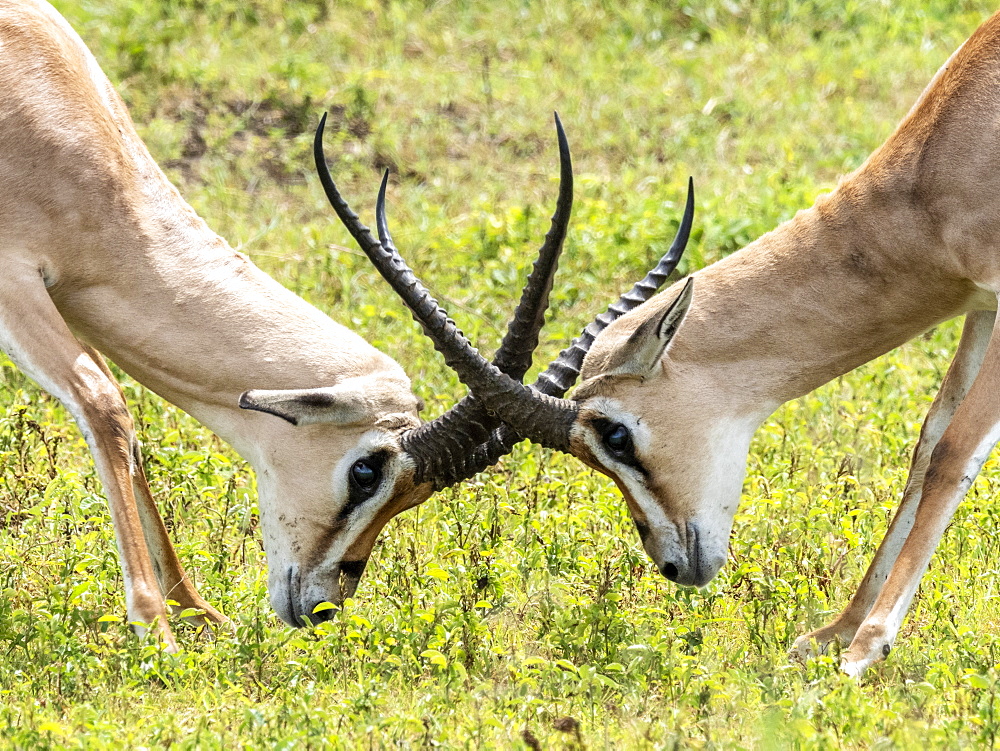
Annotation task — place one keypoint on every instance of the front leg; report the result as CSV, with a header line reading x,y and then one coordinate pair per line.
x,y
954,463
963,371
37,340
174,582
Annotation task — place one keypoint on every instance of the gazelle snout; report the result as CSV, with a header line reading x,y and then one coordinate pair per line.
x,y
297,594
682,552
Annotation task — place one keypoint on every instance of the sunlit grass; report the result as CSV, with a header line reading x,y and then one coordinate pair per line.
x,y
518,606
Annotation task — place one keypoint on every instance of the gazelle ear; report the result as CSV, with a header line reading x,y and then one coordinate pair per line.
x,y
643,350
344,404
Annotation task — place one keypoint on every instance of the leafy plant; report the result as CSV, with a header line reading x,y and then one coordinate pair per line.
x,y
517,609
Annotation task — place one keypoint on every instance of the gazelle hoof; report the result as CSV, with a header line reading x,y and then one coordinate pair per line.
x,y
160,629
806,647
872,644
818,642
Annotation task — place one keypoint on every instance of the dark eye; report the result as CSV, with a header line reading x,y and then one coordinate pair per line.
x,y
364,474
618,439
364,478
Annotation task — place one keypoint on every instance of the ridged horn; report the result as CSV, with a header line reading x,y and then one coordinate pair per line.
x,y
443,448
535,415
515,352
565,369
562,372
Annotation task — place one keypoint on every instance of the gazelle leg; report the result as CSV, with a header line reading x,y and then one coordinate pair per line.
x,y
954,463
173,580
175,584
37,340
963,371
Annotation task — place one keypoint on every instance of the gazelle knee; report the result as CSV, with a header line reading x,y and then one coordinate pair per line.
x,y
102,412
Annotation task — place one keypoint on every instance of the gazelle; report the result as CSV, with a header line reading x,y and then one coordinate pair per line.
x,y
100,255
672,393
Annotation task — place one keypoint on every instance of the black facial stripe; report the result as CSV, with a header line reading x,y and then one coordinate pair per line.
x,y
353,569
602,425
356,495
643,529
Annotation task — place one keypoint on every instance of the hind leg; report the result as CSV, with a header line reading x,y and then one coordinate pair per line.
x,y
963,371
954,463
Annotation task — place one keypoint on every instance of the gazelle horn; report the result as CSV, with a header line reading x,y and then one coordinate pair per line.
x,y
562,372
530,413
539,417
440,447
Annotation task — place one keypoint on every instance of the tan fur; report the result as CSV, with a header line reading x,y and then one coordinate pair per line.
x,y
99,253
907,241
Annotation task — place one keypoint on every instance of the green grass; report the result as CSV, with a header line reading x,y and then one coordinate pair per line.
x,y
506,605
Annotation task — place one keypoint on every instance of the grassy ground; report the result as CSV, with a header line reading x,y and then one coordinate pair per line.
x,y
518,609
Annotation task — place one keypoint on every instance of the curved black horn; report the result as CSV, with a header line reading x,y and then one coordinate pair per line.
x,y
515,352
443,448
539,417
565,369
556,379
562,372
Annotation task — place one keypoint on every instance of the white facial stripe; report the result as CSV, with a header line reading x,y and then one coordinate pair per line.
x,y
656,517
362,516
711,477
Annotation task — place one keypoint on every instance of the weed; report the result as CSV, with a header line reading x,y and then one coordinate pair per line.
x,y
519,608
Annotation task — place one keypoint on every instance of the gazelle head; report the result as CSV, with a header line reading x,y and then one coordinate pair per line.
x,y
371,456
654,422
321,514
334,471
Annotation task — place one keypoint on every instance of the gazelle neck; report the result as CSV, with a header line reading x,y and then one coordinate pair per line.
x,y
205,325
843,282
905,242
132,269
187,316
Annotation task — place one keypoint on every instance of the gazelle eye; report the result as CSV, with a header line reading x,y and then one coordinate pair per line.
x,y
618,439
364,479
364,474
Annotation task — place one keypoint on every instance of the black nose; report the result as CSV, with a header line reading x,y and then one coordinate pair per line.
x,y
670,571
